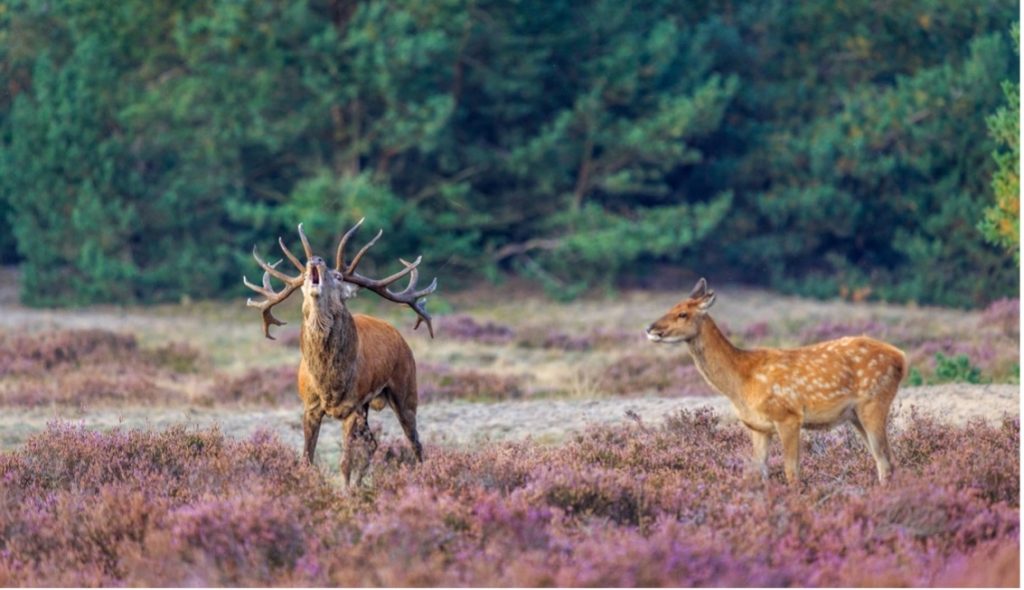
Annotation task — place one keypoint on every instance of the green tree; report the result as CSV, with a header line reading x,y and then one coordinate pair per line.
x,y
146,146
95,196
633,91
1001,224
866,153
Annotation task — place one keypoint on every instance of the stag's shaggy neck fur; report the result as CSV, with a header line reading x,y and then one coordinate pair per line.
x,y
328,336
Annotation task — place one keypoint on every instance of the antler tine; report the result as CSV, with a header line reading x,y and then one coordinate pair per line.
x,y
414,275
267,290
371,283
408,296
359,255
290,256
339,257
305,243
270,268
272,299
266,278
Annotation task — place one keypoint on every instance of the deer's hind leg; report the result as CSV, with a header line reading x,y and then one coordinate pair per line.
x,y
873,416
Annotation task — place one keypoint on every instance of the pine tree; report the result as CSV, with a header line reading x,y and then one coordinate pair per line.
x,y
1001,225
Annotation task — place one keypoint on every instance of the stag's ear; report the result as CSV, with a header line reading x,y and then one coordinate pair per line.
x,y
699,289
348,290
707,301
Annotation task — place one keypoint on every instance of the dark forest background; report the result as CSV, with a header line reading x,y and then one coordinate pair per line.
x,y
822,148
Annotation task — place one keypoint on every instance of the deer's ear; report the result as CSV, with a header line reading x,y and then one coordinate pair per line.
x,y
707,301
699,289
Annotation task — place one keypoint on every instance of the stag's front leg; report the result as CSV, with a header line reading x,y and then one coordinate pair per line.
x,y
312,417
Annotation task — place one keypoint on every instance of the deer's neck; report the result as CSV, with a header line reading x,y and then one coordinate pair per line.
x,y
330,347
717,359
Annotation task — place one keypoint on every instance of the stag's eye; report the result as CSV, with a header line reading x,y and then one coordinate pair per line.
x,y
684,315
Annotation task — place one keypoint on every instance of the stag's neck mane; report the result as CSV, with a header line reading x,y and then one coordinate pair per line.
x,y
720,363
330,344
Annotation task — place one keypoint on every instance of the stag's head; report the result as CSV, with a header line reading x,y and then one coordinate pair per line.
x,y
682,322
325,288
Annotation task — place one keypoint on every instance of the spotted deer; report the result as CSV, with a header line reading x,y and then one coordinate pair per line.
x,y
851,379
350,362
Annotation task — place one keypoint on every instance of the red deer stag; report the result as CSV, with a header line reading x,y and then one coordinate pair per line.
x,y
851,380
350,363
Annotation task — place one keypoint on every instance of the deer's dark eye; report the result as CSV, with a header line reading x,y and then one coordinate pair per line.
x,y
684,315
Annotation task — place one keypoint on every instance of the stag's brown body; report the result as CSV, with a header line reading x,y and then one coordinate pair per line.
x,y
350,363
383,373
780,391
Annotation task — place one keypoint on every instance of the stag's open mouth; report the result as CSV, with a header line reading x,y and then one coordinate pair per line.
x,y
314,275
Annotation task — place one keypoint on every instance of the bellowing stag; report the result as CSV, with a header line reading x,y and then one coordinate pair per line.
x,y
350,362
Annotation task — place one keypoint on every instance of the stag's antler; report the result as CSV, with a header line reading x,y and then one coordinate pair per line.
x,y
267,290
409,296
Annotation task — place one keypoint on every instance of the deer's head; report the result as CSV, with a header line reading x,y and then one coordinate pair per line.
x,y
323,287
682,322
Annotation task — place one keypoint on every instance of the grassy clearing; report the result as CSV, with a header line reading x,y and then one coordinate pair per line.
x,y
492,344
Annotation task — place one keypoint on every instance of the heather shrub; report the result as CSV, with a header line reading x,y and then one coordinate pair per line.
x,y
550,338
464,327
86,386
273,386
666,505
87,367
178,357
255,536
830,330
635,374
1003,314
31,353
86,508
591,338
439,382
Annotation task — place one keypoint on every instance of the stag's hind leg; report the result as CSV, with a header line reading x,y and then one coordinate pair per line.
x,y
405,409
360,445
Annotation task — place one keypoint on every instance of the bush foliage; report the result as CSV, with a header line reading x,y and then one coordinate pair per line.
x,y
146,146
617,506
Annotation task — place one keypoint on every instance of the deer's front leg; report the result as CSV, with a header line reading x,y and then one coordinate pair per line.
x,y
760,441
312,417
